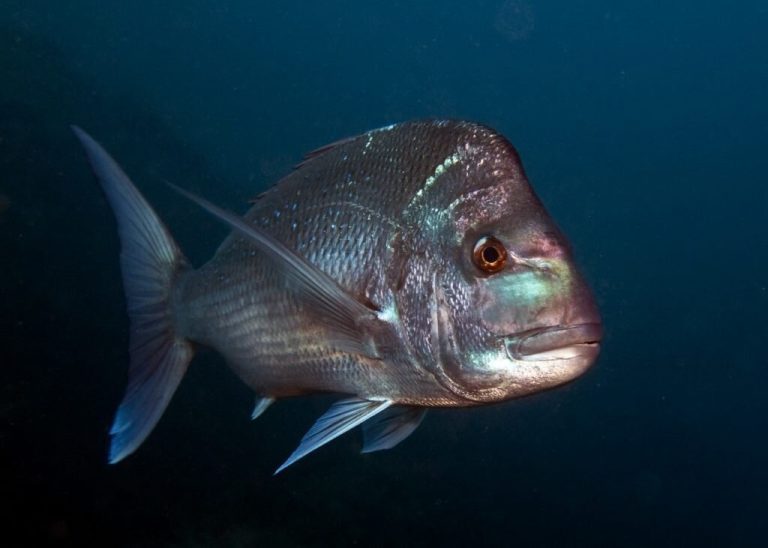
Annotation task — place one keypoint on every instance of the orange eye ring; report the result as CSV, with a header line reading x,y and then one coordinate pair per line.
x,y
489,255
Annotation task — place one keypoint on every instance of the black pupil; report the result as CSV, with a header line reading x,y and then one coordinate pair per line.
x,y
490,254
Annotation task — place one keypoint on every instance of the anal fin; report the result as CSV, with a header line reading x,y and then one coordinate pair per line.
x,y
262,403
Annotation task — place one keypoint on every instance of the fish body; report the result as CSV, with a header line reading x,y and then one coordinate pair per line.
x,y
409,267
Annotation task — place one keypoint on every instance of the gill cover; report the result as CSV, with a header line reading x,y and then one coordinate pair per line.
x,y
450,366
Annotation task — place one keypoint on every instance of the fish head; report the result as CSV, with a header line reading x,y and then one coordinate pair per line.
x,y
531,323
511,313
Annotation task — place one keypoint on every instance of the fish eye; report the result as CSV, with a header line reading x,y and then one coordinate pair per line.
x,y
489,255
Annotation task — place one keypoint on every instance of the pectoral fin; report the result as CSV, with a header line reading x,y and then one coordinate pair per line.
x,y
342,313
342,416
386,430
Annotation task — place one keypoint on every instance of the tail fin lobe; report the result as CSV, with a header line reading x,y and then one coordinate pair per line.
x,y
151,263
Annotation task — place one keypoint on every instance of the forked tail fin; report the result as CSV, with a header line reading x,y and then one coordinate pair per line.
x,y
151,263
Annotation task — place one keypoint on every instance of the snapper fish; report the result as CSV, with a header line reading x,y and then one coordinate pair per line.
x,y
409,267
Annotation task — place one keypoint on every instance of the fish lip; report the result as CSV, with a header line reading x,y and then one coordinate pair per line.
x,y
556,342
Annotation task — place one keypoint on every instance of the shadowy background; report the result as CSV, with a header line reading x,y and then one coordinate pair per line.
x,y
643,127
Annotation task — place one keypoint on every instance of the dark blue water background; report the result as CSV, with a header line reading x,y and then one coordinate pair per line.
x,y
642,125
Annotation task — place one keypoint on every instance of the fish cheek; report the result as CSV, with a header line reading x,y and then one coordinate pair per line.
x,y
512,302
462,342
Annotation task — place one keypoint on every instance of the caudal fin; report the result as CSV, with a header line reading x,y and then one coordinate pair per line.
x,y
151,263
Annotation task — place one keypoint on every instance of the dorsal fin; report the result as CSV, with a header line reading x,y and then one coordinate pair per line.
x,y
308,157
316,153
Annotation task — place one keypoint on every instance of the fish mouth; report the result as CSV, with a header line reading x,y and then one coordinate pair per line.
x,y
561,342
